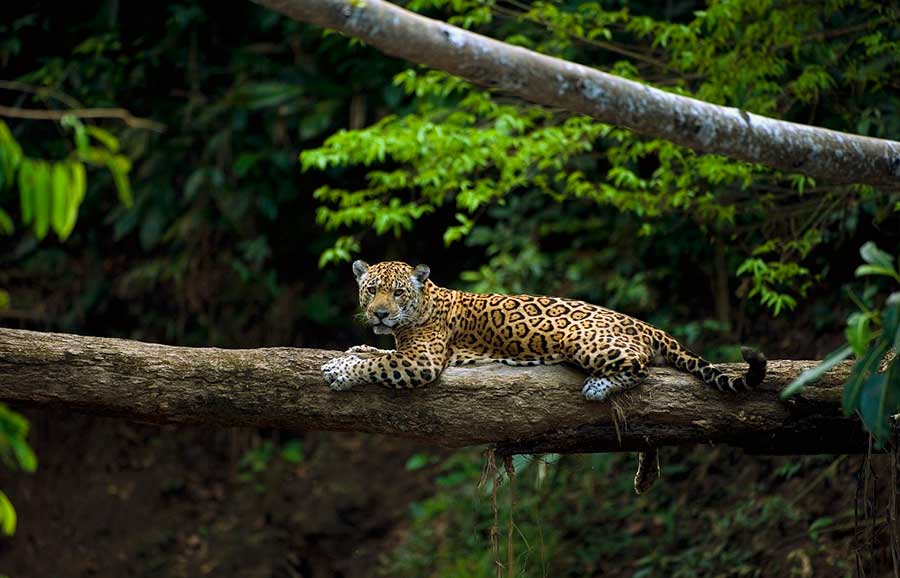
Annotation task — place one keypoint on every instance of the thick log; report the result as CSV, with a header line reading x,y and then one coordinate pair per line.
x,y
825,154
519,410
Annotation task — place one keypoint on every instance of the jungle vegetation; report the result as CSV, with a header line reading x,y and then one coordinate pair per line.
x,y
258,156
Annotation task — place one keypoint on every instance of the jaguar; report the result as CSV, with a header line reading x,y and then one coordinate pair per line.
x,y
435,327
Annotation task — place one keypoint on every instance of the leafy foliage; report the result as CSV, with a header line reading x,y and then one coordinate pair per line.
x,y
210,211
50,192
15,453
470,151
873,336
254,463
577,516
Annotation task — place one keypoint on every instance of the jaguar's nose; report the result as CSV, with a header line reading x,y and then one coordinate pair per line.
x,y
380,314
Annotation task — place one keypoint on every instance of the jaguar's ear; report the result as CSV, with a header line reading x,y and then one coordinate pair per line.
x,y
420,275
359,269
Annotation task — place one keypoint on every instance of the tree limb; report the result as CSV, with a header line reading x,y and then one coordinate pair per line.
x,y
821,153
117,113
520,410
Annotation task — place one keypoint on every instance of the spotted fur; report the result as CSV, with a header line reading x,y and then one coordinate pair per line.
x,y
436,327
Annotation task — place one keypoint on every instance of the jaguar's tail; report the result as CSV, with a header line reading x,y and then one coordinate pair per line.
x,y
686,360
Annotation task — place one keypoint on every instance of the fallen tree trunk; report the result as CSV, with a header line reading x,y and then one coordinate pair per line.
x,y
519,410
825,154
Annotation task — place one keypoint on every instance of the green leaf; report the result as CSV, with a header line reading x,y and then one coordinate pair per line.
x,y
59,210
417,462
864,270
26,191
820,524
810,375
457,232
76,191
24,454
858,333
10,156
879,399
292,452
105,137
891,326
343,250
12,422
521,462
119,167
7,516
81,139
95,156
41,199
873,255
6,223
864,367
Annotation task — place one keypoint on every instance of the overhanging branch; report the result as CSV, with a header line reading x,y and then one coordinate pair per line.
x,y
829,155
518,409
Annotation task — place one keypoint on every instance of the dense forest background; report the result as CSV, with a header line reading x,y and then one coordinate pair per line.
x,y
285,152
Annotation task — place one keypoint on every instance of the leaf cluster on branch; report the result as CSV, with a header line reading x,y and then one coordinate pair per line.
x,y
467,149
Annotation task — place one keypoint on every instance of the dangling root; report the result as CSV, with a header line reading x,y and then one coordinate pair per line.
x,y
647,472
510,558
619,417
648,462
490,471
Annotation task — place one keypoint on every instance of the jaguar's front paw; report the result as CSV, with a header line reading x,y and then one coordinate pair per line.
x,y
597,389
366,349
336,374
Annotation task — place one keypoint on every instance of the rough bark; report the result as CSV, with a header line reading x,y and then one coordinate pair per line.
x,y
517,409
824,154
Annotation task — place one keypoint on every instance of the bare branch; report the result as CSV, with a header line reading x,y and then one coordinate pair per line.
x,y
518,409
821,153
117,113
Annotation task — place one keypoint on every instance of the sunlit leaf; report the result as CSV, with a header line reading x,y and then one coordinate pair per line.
x,y
26,191
864,270
858,333
10,156
7,516
42,195
81,138
105,137
119,167
24,454
60,199
77,187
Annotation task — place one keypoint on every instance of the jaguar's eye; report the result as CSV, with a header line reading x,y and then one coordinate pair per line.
x,y
371,289
398,292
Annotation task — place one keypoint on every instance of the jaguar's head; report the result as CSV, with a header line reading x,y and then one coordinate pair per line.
x,y
392,294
